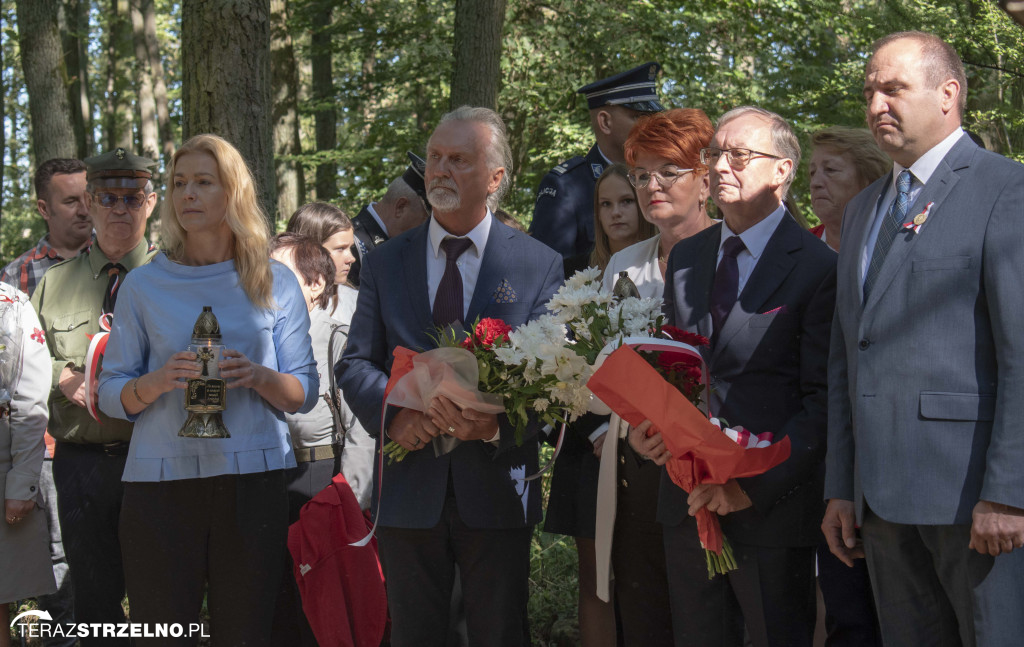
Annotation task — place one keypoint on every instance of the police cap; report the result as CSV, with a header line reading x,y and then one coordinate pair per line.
x,y
635,89
413,176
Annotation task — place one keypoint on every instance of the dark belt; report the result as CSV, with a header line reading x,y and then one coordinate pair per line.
x,y
116,448
310,454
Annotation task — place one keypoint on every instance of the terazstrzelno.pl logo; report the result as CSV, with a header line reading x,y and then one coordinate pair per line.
x,y
103,629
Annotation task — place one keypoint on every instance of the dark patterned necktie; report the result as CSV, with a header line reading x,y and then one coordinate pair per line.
x,y
114,271
725,289
448,299
891,224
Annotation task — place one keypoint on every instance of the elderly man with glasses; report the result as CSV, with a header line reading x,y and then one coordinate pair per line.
x,y
762,289
75,301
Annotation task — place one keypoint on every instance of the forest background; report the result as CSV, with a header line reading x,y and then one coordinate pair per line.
x,y
325,96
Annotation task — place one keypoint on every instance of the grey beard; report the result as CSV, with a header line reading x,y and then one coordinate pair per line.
x,y
444,201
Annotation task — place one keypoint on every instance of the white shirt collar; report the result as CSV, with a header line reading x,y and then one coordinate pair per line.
x,y
478,235
607,162
373,212
755,238
925,166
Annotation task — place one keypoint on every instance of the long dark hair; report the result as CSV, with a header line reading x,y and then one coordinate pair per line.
x,y
312,260
319,221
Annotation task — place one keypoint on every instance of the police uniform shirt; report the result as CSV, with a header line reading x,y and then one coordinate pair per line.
x,y
563,216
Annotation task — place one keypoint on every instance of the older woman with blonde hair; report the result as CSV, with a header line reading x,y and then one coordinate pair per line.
x,y
205,513
844,162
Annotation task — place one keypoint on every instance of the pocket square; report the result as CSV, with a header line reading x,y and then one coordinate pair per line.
x,y
781,309
504,293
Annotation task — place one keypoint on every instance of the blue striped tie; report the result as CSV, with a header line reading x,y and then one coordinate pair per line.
x,y
892,223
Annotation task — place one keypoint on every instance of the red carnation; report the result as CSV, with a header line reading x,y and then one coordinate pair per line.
x,y
691,338
489,331
678,362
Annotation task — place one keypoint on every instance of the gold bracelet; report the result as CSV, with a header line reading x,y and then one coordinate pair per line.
x,y
135,390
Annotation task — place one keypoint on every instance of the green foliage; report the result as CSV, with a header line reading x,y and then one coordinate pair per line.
x,y
554,582
20,225
392,63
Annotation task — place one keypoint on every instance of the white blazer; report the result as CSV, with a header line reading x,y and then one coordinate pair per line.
x,y
640,262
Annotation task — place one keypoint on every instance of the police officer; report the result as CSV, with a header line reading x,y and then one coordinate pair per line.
x,y
563,216
403,207
75,300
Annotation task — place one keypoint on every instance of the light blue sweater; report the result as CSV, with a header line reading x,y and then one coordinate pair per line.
x,y
156,310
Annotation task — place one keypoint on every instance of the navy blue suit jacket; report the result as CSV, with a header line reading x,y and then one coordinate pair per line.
x,y
394,310
767,373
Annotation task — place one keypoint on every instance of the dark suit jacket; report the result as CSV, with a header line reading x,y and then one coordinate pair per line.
x,y
767,373
394,310
926,393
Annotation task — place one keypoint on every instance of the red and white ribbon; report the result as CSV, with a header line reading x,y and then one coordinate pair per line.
x,y
93,361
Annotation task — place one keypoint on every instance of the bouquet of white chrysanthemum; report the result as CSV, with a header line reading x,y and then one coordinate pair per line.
x,y
553,377
597,318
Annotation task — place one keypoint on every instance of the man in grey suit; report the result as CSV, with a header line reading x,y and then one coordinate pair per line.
x,y
468,506
926,370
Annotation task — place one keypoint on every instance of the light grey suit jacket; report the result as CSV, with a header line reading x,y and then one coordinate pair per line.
x,y
926,379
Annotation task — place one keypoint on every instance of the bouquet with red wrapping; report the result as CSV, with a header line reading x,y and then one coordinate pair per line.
x,y
662,381
494,368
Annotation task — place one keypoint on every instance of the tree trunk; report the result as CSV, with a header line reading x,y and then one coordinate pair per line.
x,y
76,57
291,188
156,69
149,134
118,115
226,81
477,72
43,63
323,95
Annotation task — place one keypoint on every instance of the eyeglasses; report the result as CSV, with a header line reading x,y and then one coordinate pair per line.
x,y
738,157
666,176
110,200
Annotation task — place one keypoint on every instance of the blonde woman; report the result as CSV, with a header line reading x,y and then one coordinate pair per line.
x,y
202,512
618,222
572,502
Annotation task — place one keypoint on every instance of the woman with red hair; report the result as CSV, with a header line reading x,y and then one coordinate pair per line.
x,y
663,152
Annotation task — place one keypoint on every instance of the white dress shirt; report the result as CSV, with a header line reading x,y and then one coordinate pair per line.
x,y
469,268
920,172
755,239
468,263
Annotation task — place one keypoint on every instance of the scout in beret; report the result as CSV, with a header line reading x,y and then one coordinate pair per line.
x,y
118,168
76,303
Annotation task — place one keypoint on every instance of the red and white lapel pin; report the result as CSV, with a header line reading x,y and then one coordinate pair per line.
x,y
919,219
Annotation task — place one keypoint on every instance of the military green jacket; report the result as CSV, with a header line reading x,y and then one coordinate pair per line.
x,y
68,300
